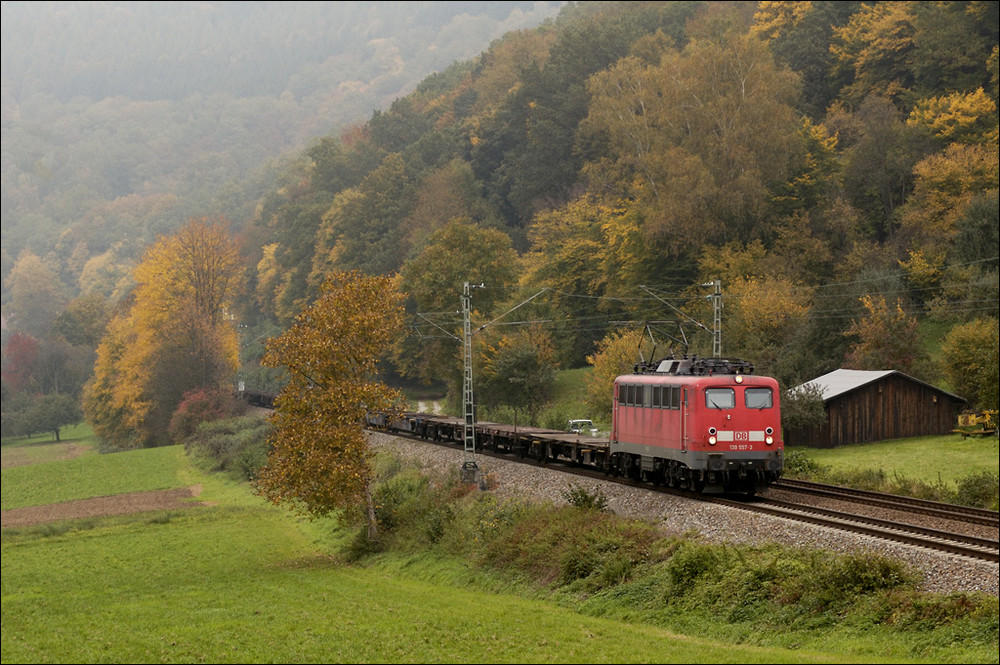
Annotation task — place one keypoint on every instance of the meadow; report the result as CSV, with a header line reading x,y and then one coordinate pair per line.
x,y
233,579
946,458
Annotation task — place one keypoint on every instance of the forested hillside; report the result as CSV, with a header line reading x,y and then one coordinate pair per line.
x,y
830,167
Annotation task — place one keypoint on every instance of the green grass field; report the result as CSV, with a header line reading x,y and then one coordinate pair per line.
x,y
241,581
931,459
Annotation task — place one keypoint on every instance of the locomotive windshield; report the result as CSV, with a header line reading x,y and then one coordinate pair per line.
x,y
720,398
758,398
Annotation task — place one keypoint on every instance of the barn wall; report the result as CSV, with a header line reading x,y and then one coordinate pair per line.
x,y
891,408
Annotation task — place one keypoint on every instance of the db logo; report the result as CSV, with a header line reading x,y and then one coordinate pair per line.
x,y
742,436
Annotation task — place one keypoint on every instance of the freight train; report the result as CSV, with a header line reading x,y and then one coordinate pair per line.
x,y
706,425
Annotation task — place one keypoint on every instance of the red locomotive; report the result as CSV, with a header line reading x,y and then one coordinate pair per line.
x,y
703,424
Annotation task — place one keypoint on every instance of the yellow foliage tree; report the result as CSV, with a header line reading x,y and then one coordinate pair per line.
x,y
958,118
696,138
764,306
886,337
616,354
946,184
319,460
176,336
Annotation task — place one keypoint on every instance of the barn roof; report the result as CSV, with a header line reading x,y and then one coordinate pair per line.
x,y
841,381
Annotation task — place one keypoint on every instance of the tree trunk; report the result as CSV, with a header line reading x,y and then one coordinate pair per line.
x,y
372,521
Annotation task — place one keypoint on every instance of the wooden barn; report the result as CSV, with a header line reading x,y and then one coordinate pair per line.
x,y
864,406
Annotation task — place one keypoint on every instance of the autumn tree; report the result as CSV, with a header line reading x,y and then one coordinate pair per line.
x,y
616,354
319,460
799,34
517,370
946,185
873,52
83,321
108,274
36,295
958,118
572,256
177,335
362,230
697,138
457,253
764,306
19,355
885,338
971,362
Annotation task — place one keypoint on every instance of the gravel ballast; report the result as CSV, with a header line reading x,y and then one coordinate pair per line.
x,y
942,573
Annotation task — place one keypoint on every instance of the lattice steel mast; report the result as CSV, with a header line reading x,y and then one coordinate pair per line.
x,y
469,465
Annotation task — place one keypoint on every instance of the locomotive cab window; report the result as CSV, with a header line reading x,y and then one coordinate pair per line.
x,y
758,398
720,398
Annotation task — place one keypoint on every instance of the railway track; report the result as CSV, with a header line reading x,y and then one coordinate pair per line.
x,y
898,531
951,542
894,502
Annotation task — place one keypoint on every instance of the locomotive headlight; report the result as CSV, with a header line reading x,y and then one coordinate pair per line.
x,y
711,440
769,440
739,378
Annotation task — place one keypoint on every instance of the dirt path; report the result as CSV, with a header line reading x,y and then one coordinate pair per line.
x,y
23,456
102,506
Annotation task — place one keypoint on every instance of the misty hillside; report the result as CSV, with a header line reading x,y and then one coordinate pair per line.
x,y
172,109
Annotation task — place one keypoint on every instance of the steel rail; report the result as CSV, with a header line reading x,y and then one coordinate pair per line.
x,y
911,504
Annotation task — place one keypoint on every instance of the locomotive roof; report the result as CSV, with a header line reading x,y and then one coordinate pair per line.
x,y
694,366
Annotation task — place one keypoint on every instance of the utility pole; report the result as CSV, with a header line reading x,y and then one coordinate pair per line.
x,y
717,318
470,469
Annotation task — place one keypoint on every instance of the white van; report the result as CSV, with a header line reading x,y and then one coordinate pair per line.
x,y
581,426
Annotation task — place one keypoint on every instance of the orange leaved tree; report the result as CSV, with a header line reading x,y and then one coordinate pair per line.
x,y
319,460
176,336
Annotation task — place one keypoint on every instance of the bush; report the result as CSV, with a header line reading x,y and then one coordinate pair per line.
x,y
802,408
981,490
581,498
236,446
412,510
199,406
798,465
605,565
